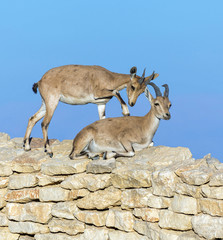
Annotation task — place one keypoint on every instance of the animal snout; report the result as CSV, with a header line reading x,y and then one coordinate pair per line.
x,y
167,115
131,104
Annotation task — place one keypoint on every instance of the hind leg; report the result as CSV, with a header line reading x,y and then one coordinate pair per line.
x,y
32,121
50,108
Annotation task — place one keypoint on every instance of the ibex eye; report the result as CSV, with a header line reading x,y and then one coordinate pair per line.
x,y
156,104
132,87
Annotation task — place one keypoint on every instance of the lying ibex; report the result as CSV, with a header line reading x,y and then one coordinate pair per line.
x,y
122,136
76,84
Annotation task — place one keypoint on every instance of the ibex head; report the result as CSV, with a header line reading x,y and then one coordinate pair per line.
x,y
137,85
161,104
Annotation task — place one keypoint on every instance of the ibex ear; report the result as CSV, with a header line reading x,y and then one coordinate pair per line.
x,y
133,71
148,95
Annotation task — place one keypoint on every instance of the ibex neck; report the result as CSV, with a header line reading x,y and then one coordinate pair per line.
x,y
121,80
151,122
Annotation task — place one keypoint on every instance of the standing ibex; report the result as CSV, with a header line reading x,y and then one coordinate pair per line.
x,y
122,136
77,84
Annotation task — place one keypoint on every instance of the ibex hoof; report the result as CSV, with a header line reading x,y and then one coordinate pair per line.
x,y
126,114
95,157
50,154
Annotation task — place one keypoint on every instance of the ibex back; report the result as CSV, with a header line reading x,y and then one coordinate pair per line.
x,y
77,84
113,137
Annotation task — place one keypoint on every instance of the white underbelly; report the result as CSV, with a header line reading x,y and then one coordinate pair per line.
x,y
80,101
139,147
98,148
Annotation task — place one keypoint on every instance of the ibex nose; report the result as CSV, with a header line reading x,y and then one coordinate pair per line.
x,y
167,114
131,104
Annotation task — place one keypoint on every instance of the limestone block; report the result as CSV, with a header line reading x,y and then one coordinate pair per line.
x,y
190,235
158,202
23,195
161,156
141,227
62,167
164,182
26,237
211,206
174,221
62,148
64,210
95,234
5,167
153,231
101,166
56,236
4,182
75,194
3,220
97,218
101,199
212,192
134,198
27,228
184,204
119,235
147,214
207,226
71,227
44,180
90,181
131,177
197,176
216,179
34,212
5,234
169,234
54,193
4,137
19,181
2,197
122,220
189,190
29,162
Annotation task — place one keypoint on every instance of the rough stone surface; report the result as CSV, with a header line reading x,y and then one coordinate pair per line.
x,y
34,212
23,195
147,214
27,227
207,226
55,194
184,204
101,166
90,181
101,199
64,210
211,206
164,182
175,221
71,227
19,181
97,218
122,220
5,234
133,198
212,192
131,177
161,193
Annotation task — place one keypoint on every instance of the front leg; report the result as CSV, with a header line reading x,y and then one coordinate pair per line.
x,y
105,93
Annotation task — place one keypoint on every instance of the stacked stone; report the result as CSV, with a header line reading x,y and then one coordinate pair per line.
x,y
161,193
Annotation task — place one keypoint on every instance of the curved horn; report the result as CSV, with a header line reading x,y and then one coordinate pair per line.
x,y
151,78
166,91
143,77
156,88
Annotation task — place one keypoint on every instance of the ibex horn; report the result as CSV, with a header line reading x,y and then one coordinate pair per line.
x,y
156,88
143,77
166,91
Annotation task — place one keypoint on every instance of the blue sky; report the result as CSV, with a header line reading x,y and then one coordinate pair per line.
x,y
181,40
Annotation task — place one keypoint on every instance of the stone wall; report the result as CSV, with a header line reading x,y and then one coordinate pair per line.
x,y
161,193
